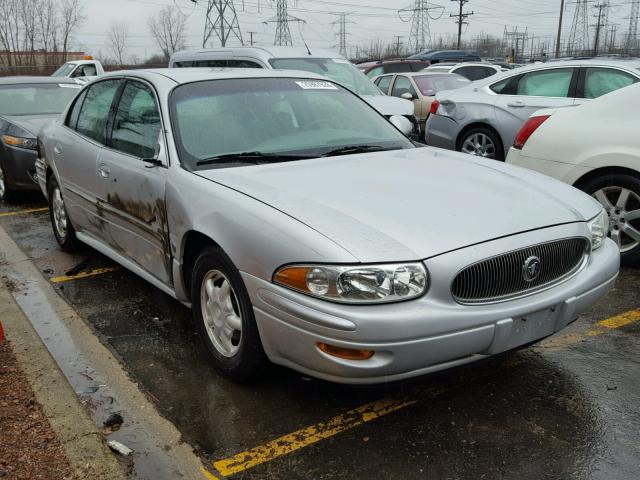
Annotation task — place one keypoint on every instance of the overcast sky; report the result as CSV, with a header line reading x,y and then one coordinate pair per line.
x,y
373,19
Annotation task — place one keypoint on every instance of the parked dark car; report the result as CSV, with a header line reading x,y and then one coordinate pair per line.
x,y
373,69
26,105
437,56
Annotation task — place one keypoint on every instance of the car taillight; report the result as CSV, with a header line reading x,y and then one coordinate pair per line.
x,y
434,107
527,130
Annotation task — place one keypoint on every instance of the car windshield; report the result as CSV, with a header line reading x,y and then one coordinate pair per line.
x,y
273,119
64,71
36,99
431,84
339,70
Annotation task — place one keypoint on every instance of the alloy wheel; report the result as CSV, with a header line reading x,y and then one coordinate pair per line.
x,y
220,313
623,207
59,213
479,144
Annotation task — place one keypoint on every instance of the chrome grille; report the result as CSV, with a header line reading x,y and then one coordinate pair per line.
x,y
501,277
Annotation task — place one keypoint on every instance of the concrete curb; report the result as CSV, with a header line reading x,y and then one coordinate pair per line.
x,y
161,451
87,452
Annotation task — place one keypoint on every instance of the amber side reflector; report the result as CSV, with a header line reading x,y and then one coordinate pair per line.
x,y
294,277
346,353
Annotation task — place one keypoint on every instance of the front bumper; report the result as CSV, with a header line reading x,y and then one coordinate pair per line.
x,y
441,132
428,334
19,168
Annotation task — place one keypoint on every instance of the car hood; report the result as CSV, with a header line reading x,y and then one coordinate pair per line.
x,y
409,204
33,123
388,106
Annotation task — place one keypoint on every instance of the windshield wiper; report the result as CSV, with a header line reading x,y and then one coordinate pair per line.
x,y
354,149
253,157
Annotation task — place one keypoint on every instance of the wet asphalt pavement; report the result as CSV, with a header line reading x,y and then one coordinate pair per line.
x,y
564,409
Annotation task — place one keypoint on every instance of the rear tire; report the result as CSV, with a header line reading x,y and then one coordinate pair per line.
x,y
224,316
619,194
482,142
62,228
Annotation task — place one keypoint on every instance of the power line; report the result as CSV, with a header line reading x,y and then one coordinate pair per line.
x,y
461,18
225,24
420,34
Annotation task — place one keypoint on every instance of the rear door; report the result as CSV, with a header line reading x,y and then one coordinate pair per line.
x,y
132,190
597,81
520,96
76,149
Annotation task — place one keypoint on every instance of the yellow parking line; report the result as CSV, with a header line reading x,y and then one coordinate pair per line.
x,y
88,273
207,474
23,212
308,436
614,323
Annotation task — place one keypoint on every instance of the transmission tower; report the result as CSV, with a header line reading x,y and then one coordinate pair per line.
x,y
516,41
222,20
342,33
282,19
631,42
579,35
420,35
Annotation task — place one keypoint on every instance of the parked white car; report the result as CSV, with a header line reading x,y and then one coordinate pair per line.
x,y
471,71
596,148
82,71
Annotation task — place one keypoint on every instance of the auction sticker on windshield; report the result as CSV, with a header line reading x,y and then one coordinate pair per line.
x,y
317,85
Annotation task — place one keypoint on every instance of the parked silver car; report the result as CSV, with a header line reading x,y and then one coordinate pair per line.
x,y
483,118
302,227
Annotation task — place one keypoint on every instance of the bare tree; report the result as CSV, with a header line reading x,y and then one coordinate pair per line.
x,y
10,28
71,17
118,41
168,27
48,26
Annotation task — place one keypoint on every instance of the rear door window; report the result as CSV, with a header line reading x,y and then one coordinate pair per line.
x,y
94,113
374,72
554,82
136,128
600,81
384,82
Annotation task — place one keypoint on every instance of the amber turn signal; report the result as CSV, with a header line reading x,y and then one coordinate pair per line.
x,y
346,353
294,277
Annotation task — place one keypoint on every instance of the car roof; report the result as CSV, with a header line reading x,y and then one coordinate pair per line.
x,y
196,74
34,79
263,53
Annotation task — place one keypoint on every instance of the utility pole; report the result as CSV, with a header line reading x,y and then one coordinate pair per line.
x,y
398,43
251,34
461,18
559,29
631,42
342,33
225,23
282,19
599,25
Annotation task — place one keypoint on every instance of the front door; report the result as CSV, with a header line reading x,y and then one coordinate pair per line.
x,y
132,190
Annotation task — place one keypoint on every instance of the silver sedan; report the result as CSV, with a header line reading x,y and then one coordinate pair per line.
x,y
483,118
303,228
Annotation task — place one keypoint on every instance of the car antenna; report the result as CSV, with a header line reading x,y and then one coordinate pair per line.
x,y
307,47
303,40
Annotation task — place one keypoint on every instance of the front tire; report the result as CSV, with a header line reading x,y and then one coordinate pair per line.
x,y
6,192
224,316
619,194
482,142
62,228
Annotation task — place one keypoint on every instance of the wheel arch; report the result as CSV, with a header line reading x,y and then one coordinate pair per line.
x,y
603,171
193,243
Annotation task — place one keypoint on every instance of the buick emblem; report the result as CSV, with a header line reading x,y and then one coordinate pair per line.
x,y
531,269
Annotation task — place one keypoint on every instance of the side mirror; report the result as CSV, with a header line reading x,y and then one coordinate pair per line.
x,y
402,123
407,96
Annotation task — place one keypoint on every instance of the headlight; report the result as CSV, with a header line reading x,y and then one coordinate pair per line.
x,y
21,142
356,284
599,228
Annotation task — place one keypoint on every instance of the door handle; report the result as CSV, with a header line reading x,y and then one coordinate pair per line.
x,y
57,150
104,171
516,104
